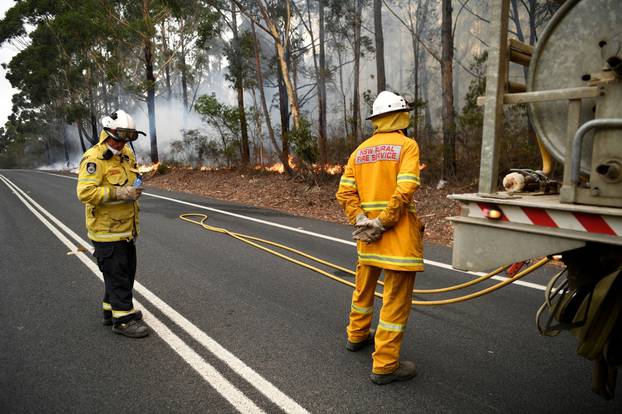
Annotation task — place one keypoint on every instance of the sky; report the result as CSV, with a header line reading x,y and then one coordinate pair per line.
x,y
7,51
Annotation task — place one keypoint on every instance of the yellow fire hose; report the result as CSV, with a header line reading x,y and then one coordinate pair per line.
x,y
251,240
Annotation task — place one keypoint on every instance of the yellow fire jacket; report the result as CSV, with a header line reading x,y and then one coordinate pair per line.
x,y
380,179
108,219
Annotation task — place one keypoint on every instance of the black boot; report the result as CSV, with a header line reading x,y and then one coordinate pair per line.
x,y
405,371
357,346
132,329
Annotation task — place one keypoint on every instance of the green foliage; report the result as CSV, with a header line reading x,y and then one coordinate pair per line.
x,y
470,120
209,28
303,143
195,149
472,115
225,120
221,116
240,53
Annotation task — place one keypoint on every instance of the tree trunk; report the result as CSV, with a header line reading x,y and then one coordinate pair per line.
x,y
533,36
105,93
151,101
416,81
283,104
239,86
92,104
81,136
356,106
167,63
184,76
449,128
65,145
322,89
262,94
381,79
320,69
342,93
258,142
281,52
427,113
287,83
148,51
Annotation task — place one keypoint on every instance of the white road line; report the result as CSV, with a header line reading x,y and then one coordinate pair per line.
x,y
238,366
321,236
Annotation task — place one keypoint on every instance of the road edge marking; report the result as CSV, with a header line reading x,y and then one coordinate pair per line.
x,y
262,385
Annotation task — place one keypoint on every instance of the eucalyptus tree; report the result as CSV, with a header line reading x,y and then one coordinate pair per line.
x,y
343,23
276,19
381,79
445,58
53,70
320,74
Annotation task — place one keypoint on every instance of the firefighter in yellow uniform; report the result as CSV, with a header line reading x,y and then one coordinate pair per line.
x,y
108,186
376,193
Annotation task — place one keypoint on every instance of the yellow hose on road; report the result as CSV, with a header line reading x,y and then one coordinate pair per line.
x,y
251,240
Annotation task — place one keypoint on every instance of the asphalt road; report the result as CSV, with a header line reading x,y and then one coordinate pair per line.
x,y
236,329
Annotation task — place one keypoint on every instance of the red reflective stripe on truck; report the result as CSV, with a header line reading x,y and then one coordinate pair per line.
x,y
594,224
539,217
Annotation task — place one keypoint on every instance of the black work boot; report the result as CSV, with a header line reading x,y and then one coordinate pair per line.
x,y
132,329
405,371
357,346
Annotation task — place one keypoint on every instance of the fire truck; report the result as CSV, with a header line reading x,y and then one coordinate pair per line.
x,y
573,96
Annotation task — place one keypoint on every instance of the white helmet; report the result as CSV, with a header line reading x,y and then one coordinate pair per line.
x,y
387,102
120,126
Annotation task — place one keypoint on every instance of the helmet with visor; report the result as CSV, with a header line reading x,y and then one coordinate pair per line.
x,y
120,126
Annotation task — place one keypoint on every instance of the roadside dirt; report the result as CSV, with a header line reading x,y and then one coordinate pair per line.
x,y
280,192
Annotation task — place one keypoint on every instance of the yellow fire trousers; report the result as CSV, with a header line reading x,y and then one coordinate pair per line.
x,y
396,305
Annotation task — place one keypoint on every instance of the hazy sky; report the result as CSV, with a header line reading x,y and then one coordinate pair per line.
x,y
6,53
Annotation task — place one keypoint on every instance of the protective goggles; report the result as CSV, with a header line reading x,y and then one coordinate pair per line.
x,y
124,134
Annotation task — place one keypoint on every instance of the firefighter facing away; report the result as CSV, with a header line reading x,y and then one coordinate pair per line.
x,y
109,186
376,193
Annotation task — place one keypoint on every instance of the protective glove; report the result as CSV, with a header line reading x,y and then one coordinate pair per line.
x,y
361,221
366,234
367,230
128,193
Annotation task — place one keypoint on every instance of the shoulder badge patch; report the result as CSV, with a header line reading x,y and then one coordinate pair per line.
x,y
91,167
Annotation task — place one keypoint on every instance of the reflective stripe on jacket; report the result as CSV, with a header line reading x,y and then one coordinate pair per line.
x,y
108,219
380,179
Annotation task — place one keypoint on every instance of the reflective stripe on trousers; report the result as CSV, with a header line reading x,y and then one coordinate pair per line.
x,y
396,305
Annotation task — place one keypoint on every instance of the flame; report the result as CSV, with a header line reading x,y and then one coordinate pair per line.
x,y
333,169
148,168
278,167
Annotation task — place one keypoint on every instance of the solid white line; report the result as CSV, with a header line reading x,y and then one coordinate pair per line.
x,y
323,236
237,365
207,371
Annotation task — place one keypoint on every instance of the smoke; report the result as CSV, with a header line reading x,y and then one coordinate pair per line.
x,y
171,119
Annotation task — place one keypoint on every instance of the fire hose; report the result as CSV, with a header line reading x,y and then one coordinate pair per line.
x,y
254,241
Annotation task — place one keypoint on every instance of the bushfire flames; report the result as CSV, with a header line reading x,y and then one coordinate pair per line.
x,y
148,168
278,167
331,169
